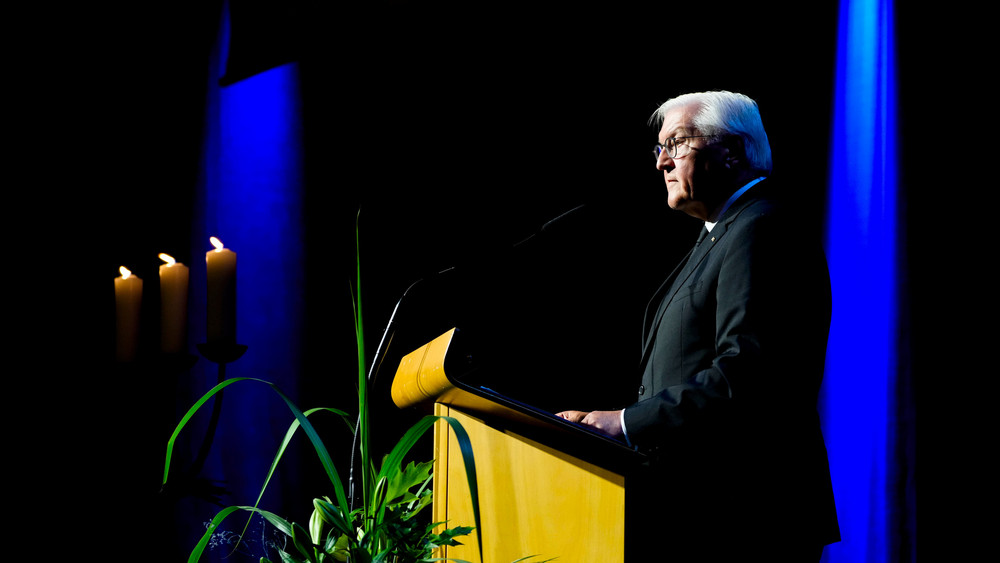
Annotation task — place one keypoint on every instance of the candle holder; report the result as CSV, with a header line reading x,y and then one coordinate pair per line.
x,y
221,354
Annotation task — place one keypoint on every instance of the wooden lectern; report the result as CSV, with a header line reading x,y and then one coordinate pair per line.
x,y
547,487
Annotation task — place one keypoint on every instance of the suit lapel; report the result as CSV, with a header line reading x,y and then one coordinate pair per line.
x,y
674,282
679,277
660,295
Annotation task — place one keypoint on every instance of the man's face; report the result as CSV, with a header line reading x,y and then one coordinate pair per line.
x,y
694,180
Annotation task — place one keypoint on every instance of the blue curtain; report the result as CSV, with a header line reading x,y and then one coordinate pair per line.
x,y
859,403
250,197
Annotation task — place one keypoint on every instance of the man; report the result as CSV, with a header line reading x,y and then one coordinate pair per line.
x,y
734,346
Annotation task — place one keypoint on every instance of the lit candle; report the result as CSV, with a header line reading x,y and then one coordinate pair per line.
x,y
173,305
128,300
221,299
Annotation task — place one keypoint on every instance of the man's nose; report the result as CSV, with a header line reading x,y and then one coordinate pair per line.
x,y
664,162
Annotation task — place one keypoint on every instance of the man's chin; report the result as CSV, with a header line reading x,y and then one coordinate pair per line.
x,y
692,208
677,202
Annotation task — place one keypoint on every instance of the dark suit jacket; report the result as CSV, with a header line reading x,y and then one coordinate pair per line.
x,y
733,356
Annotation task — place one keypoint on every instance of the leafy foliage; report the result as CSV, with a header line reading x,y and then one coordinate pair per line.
x,y
406,538
384,528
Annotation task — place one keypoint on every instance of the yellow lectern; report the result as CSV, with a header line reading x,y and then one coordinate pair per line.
x,y
547,487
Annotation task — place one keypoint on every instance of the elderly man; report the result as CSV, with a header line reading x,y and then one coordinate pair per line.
x,y
733,352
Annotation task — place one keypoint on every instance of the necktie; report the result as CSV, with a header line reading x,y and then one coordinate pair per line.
x,y
701,236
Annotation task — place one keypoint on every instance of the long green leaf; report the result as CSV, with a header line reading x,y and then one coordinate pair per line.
x,y
367,474
331,514
283,526
186,418
288,437
302,542
307,427
277,521
284,445
203,542
394,460
470,474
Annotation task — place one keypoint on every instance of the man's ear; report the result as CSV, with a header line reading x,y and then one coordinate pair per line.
x,y
735,151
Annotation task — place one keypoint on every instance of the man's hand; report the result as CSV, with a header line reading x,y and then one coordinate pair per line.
x,y
606,422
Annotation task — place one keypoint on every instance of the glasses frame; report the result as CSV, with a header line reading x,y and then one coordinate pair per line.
x,y
671,145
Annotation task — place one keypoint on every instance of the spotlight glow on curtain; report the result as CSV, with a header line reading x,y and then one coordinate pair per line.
x,y
251,198
859,391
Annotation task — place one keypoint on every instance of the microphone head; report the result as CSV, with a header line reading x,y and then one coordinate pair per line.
x,y
576,211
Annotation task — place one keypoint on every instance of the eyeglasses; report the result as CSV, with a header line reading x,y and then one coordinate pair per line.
x,y
671,146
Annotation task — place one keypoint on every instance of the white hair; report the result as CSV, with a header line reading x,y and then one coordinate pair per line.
x,y
722,113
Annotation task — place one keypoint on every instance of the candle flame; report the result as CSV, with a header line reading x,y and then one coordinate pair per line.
x,y
125,272
216,243
167,258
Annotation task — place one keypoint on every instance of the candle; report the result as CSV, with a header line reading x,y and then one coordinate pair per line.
x,y
173,305
128,301
221,299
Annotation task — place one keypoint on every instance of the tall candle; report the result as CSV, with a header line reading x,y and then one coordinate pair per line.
x,y
221,299
173,305
128,302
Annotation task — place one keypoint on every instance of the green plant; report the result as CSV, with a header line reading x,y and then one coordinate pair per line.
x,y
384,527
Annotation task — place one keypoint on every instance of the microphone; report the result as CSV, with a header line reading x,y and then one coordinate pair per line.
x,y
558,223
380,354
576,211
555,224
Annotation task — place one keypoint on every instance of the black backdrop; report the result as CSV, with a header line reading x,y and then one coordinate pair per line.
x,y
458,132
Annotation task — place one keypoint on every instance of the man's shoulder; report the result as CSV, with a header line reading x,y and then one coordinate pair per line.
x,y
765,218
772,201
752,206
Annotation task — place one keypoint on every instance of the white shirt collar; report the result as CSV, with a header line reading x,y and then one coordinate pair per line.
x,y
711,224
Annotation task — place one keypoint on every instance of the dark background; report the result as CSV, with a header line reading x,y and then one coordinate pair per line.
x,y
458,132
